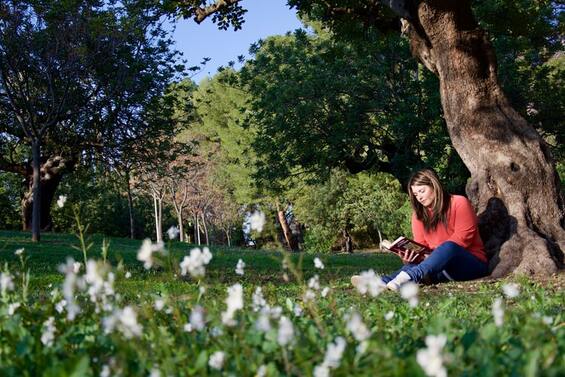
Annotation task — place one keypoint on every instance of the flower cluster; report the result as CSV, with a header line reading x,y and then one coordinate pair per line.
x,y
194,264
431,358
145,253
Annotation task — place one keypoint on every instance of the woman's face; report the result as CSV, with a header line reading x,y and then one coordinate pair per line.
x,y
424,194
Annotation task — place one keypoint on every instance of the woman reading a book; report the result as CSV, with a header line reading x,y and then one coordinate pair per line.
x,y
447,224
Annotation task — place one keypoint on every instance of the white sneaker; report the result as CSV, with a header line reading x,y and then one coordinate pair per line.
x,y
355,280
401,278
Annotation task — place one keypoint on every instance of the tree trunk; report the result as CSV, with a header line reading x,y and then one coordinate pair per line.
x,y
35,220
288,236
51,173
205,229
228,236
181,226
514,185
130,207
197,230
158,210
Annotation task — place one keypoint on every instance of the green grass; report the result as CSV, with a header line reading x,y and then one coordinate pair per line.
x,y
531,341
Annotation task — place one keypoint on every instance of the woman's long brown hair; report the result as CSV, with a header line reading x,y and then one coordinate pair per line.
x,y
440,205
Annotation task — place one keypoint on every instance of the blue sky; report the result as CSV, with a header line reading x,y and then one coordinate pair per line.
x,y
263,18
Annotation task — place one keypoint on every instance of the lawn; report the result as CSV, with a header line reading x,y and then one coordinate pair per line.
x,y
123,319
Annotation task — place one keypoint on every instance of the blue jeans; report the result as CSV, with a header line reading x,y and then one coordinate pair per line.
x,y
448,261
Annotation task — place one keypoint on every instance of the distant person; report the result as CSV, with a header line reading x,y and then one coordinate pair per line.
x,y
447,224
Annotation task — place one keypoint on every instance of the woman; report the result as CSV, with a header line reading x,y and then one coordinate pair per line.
x,y
448,225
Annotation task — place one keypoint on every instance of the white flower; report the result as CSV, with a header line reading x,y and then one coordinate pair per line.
x,y
548,320
48,332
511,290
195,262
105,372
262,371
234,302
356,326
297,310
159,304
321,371
371,283
257,221
216,361
318,263
431,359
6,282
99,288
125,321
173,232
314,283
409,292
239,268
286,331
19,252
60,306
128,275
61,201
263,322
155,373
187,327
145,253
389,315
309,295
12,308
498,311
76,267
325,291
334,353
197,318
72,281
257,300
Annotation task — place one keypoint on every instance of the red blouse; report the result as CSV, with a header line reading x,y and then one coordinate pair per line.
x,y
461,228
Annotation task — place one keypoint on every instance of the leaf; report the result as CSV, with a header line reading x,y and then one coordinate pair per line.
x,y
201,361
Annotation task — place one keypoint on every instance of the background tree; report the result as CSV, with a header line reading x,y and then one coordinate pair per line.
x,y
68,69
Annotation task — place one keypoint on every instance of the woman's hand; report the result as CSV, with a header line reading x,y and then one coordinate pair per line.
x,y
409,256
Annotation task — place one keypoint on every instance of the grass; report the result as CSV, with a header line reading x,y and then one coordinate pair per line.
x,y
531,341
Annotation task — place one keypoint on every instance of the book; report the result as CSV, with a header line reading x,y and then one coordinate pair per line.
x,y
403,244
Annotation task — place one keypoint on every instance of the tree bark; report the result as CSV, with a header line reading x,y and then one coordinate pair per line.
x,y
197,230
35,219
181,226
288,236
514,185
205,229
158,212
51,173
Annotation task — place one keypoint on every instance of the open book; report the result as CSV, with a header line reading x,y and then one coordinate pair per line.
x,y
403,244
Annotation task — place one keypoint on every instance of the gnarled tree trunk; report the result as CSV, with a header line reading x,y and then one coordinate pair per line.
x,y
514,185
50,174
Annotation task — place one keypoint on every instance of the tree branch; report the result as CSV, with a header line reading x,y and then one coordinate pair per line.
x,y
201,13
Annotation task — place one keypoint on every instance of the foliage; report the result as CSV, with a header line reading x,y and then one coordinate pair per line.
x,y
527,37
103,205
320,103
369,206
10,187
529,341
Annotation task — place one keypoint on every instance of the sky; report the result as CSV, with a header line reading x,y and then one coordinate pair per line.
x,y
263,18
